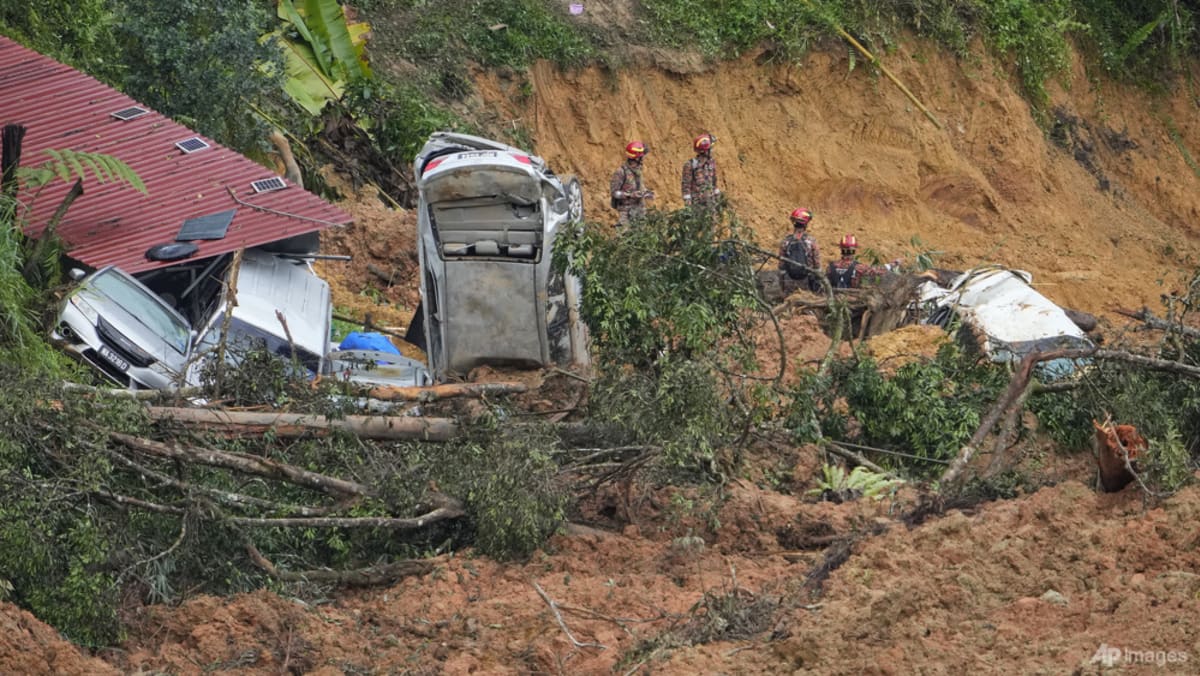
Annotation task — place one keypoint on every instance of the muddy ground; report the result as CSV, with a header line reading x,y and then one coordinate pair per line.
x,y
1101,207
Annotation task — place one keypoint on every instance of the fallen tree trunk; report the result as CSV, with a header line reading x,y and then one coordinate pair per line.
x,y
441,506
1020,381
446,391
363,577
291,425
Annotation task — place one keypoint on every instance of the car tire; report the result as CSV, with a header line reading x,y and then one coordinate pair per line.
x,y
574,193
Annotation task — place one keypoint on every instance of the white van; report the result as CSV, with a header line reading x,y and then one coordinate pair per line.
x,y
280,304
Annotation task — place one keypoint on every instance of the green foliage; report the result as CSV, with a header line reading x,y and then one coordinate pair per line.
x,y
1163,406
399,118
676,407
859,482
661,287
1034,32
510,33
926,409
511,490
76,32
666,301
321,51
720,28
1145,40
200,62
67,164
1167,464
55,547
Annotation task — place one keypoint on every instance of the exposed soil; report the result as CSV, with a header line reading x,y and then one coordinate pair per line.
x,y
760,579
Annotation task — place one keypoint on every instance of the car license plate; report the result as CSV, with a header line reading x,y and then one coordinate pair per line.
x,y
114,358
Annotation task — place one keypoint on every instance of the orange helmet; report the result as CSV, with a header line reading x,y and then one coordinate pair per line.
x,y
801,217
635,149
849,242
703,142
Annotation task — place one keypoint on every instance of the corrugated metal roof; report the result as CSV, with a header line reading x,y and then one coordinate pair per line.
x,y
112,223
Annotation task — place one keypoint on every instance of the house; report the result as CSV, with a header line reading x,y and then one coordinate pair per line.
x,y
197,190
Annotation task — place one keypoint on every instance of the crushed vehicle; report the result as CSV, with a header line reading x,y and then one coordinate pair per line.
x,y
117,325
488,214
1006,315
142,336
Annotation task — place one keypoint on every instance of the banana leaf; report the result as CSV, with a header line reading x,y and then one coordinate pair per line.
x,y
327,22
305,81
287,12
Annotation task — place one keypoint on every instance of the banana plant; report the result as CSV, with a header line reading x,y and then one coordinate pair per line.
x,y
322,51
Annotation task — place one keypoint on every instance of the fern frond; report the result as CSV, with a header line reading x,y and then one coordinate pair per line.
x,y
66,165
1140,35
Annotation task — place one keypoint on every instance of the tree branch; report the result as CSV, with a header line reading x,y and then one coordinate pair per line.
x,y
360,577
246,463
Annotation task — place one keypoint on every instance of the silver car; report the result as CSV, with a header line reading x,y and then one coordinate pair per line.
x,y
488,214
119,326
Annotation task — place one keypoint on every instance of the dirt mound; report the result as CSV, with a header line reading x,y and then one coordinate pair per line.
x,y
1099,208
28,646
381,279
1036,584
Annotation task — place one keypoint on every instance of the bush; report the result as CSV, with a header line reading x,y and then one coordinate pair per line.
x,y
925,409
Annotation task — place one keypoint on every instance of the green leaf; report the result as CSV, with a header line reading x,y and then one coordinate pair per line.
x,y
327,21
1139,36
305,82
321,56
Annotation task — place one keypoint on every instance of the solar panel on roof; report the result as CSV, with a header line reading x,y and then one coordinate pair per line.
x,y
268,184
127,114
211,226
191,145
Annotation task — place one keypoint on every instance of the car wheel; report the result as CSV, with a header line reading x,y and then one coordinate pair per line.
x,y
574,199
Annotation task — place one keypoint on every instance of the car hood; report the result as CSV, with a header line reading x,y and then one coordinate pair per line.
x,y
124,322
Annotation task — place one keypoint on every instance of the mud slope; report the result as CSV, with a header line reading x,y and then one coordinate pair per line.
x,y
1099,209
1024,586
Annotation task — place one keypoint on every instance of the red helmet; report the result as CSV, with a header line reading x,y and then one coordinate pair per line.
x,y
703,142
849,242
801,217
635,149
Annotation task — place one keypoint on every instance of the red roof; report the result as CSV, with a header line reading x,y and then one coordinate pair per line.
x,y
112,223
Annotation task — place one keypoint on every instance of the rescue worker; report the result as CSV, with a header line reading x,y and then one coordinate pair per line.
x,y
799,257
629,193
849,273
699,184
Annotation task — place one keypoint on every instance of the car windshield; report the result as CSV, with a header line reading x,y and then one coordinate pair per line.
x,y
145,308
245,338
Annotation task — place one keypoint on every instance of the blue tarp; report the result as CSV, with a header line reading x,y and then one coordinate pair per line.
x,y
361,340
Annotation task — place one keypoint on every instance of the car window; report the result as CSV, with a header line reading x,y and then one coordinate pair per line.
x,y
244,338
145,308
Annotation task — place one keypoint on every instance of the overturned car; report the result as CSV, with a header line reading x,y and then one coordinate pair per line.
x,y
488,214
1006,317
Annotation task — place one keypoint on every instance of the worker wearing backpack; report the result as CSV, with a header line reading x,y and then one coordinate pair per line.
x,y
849,273
799,258
699,184
628,193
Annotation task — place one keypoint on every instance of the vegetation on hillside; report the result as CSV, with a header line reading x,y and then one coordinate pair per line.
x,y
91,518
224,68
